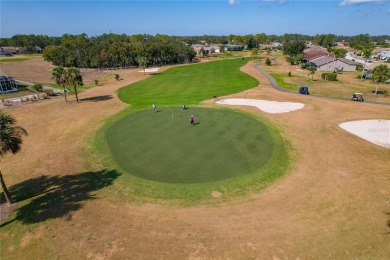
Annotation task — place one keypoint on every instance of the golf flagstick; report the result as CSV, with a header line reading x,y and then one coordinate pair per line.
x,y
172,112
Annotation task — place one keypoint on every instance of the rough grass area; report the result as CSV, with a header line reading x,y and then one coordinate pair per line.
x,y
348,82
189,84
168,158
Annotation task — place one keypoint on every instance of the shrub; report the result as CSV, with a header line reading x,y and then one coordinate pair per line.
x,y
96,82
48,92
117,76
268,61
37,87
289,74
380,91
329,76
359,67
303,65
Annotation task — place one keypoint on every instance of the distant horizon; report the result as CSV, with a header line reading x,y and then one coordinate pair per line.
x,y
348,36
55,18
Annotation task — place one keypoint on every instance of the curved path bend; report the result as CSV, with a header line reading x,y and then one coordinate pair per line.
x,y
276,86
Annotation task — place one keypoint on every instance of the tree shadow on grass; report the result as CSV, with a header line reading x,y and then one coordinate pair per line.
x,y
97,98
388,222
57,196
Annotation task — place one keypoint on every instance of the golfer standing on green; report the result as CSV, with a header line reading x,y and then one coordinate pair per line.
x,y
154,108
192,120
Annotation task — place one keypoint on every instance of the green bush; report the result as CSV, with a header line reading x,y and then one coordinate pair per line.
x,y
380,91
303,65
329,76
37,87
268,61
289,74
359,67
117,76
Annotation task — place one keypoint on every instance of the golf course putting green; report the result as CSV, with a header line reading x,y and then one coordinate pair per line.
x,y
164,147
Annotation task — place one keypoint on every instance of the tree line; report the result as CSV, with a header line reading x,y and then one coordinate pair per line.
x,y
32,41
113,51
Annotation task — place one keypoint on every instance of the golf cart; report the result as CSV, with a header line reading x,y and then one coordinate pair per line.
x,y
357,97
304,90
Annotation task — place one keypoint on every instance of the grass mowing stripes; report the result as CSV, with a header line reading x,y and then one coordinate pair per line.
x,y
161,157
157,147
239,153
188,84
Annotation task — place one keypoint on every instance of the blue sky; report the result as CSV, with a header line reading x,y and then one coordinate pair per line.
x,y
194,17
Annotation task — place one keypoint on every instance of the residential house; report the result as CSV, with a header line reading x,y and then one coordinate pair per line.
x,y
326,63
214,48
273,45
343,43
233,47
13,50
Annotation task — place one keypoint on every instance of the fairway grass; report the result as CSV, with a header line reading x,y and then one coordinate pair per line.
x,y
189,84
162,156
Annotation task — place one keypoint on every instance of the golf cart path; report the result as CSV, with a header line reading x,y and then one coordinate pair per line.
x,y
275,85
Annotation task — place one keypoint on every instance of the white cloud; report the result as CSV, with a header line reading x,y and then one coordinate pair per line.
x,y
354,2
234,2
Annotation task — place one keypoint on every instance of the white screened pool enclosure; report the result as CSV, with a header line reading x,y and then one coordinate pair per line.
x,y
7,84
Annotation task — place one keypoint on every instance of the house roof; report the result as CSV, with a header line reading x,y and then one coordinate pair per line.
x,y
325,60
315,48
349,62
312,56
322,61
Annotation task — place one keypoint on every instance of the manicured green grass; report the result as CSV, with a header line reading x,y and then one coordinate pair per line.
x,y
166,148
13,60
189,84
161,157
279,80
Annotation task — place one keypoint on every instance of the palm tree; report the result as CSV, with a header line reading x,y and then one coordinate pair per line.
x,y
380,74
367,52
10,141
68,77
338,53
74,78
59,76
143,62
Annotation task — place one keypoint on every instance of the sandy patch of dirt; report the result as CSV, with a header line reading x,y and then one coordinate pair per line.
x,y
38,70
376,131
333,203
269,106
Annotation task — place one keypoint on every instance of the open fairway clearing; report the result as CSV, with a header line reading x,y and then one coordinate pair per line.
x,y
333,204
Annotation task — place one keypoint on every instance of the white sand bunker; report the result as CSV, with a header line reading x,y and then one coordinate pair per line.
x,y
150,70
272,107
376,131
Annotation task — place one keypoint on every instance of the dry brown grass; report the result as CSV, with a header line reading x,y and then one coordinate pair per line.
x,y
347,82
333,203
